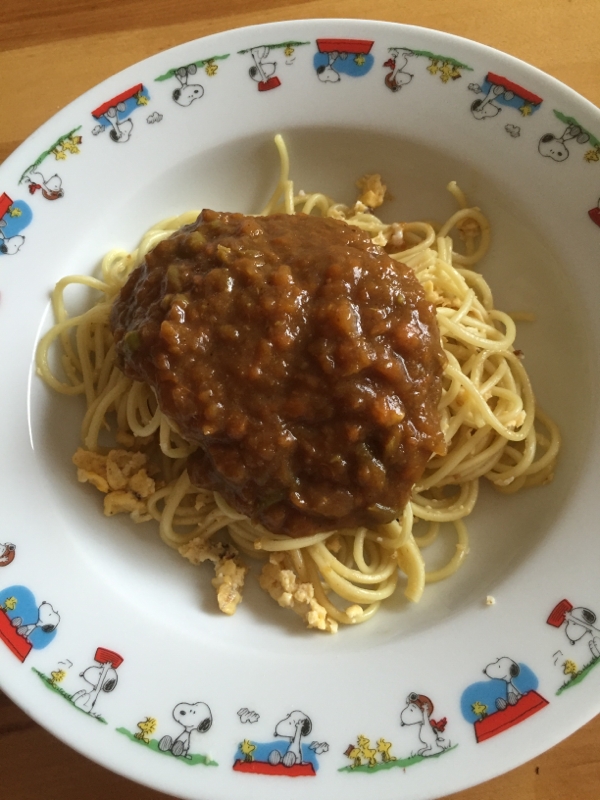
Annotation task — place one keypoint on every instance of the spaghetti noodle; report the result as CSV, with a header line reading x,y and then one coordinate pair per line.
x,y
490,420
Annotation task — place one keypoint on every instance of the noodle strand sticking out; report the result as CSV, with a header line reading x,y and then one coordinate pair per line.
x,y
492,427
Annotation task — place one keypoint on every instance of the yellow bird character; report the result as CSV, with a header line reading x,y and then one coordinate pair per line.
x,y
57,676
384,748
147,727
247,749
367,751
354,753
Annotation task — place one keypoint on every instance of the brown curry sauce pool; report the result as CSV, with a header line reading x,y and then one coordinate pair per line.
x,y
304,362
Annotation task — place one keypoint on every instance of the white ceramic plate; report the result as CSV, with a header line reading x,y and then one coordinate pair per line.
x,y
421,108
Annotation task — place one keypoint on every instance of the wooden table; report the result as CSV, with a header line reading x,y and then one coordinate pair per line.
x,y
51,52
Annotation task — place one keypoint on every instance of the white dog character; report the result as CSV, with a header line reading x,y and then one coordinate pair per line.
x,y
397,61
581,622
326,73
51,188
418,711
9,245
120,130
263,71
555,147
192,717
47,621
187,92
482,109
295,726
7,553
101,678
505,669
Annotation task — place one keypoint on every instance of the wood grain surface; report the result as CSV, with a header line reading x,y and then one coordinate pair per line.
x,y
51,51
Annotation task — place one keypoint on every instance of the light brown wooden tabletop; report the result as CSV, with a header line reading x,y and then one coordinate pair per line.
x,y
51,51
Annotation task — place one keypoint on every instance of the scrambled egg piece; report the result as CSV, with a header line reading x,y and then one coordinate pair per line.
x,y
355,612
432,294
229,570
121,476
397,234
120,502
372,190
283,586
381,239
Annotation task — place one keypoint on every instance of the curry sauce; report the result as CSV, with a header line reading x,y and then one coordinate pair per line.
x,y
302,360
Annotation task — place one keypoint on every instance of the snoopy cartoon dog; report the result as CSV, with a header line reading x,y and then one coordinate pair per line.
x,y
326,73
398,78
296,725
187,92
418,711
102,679
192,717
505,669
47,621
263,71
486,107
581,622
7,553
51,188
9,245
555,147
120,131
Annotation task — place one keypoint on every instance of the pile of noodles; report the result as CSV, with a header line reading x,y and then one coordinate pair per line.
x,y
490,420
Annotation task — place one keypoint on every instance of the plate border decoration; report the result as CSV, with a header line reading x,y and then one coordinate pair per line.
x,y
285,717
